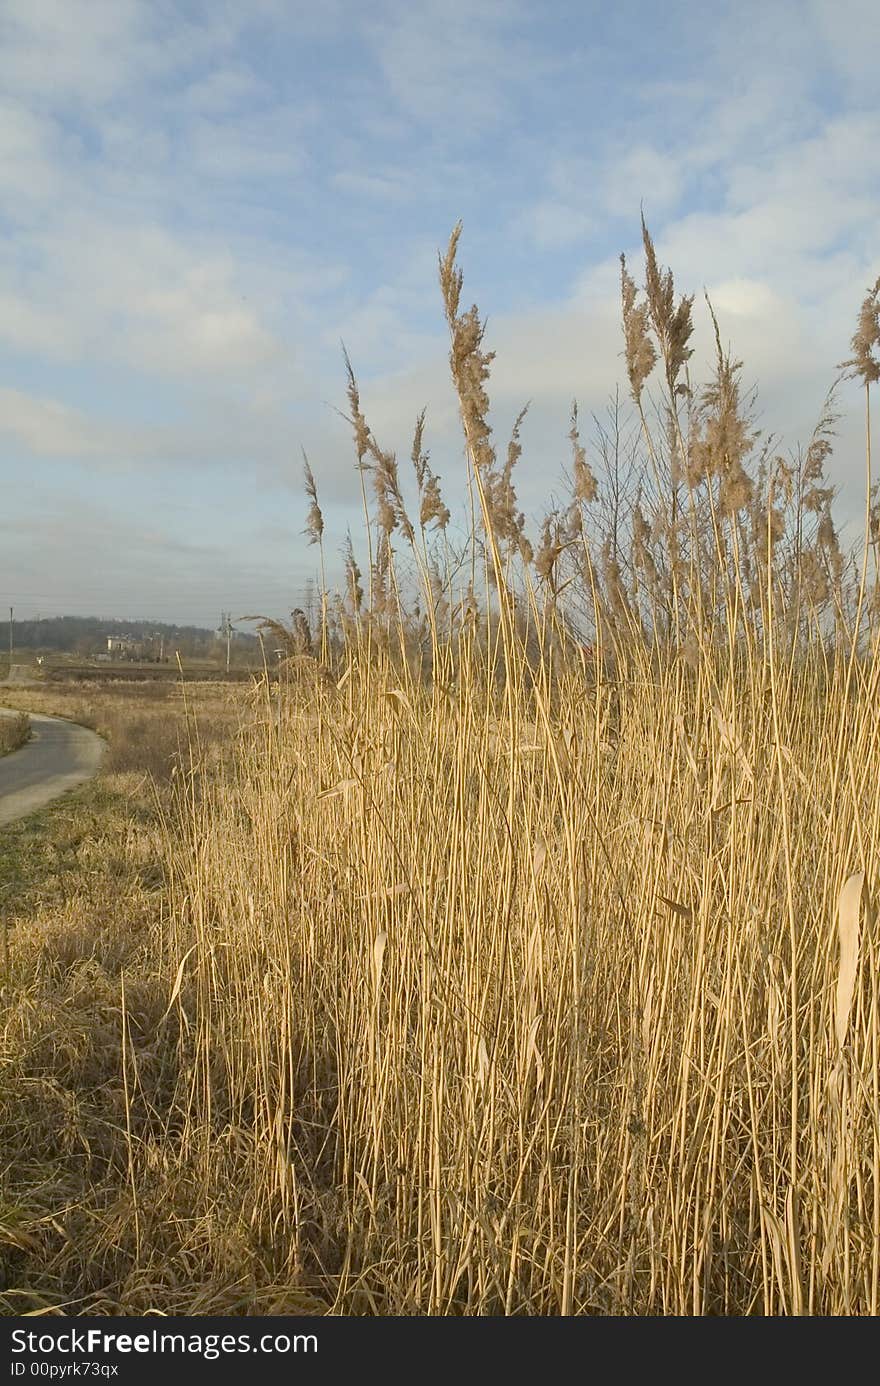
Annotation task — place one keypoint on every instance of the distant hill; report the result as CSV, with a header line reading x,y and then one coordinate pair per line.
x,y
87,636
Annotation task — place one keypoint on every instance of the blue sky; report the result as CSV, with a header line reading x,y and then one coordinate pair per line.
x,y
199,201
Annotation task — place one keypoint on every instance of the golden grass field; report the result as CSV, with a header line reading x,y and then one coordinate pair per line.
x,y
427,1004
544,982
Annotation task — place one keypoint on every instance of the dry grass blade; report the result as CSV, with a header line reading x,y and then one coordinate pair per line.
x,y
849,908
539,855
178,981
378,956
340,787
677,908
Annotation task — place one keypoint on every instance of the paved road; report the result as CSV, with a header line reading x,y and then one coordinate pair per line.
x,y
58,756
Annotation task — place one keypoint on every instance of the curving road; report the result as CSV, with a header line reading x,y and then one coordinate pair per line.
x,y
59,756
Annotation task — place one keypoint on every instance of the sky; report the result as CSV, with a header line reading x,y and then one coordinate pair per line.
x,y
199,202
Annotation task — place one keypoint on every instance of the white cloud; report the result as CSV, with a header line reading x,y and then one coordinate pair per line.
x,y
642,173
76,49
135,293
553,224
452,63
223,90
47,428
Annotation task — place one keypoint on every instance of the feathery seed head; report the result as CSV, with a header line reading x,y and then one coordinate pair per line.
x,y
358,422
314,520
585,488
672,323
639,350
353,577
469,363
865,360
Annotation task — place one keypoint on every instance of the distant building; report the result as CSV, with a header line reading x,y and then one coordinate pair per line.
x,y
122,646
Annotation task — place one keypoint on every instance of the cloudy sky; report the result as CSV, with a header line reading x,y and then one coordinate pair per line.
x,y
199,201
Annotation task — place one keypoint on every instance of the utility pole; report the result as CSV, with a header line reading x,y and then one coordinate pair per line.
x,y
11,613
226,630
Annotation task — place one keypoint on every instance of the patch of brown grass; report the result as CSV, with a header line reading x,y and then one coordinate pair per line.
x,y
147,726
14,732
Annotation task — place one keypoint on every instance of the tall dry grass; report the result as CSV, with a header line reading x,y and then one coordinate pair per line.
x,y
504,975
533,1007
524,979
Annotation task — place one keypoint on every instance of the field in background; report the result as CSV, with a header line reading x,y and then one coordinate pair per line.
x,y
55,667
144,721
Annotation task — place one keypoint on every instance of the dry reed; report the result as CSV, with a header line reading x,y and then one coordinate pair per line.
x,y
528,965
